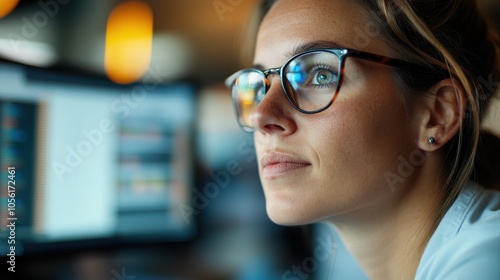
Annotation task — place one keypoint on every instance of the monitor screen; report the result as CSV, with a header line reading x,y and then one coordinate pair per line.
x,y
92,161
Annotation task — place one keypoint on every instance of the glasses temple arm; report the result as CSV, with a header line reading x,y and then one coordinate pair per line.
x,y
387,60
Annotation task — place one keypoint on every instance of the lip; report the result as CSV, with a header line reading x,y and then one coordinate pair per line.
x,y
278,164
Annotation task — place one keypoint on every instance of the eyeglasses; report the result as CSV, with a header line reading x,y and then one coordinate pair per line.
x,y
310,80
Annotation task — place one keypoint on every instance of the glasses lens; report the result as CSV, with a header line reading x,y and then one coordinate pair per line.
x,y
311,80
248,90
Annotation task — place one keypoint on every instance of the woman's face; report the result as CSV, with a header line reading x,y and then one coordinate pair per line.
x,y
335,162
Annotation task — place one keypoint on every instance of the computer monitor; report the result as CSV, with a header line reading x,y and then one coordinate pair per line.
x,y
92,161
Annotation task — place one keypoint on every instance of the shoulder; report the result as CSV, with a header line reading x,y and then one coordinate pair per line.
x,y
466,245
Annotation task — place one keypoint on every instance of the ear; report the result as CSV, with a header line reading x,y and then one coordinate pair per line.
x,y
442,114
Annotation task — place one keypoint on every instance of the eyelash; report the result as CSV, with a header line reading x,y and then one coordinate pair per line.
x,y
317,67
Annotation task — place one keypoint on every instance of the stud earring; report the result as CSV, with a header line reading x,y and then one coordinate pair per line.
x,y
431,140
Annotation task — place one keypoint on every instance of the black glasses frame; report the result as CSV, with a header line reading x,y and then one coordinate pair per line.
x,y
342,54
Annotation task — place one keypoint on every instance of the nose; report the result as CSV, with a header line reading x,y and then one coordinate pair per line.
x,y
274,114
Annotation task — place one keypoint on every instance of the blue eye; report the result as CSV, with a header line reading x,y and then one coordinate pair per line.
x,y
322,76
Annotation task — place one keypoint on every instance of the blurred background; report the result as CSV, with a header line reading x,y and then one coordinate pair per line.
x,y
127,161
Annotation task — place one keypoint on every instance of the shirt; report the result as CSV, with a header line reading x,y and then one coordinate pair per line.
x,y
466,243
464,246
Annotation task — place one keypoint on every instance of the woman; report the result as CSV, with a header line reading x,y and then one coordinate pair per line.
x,y
366,114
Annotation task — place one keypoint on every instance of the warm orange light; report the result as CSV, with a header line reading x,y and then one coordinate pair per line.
x,y
6,6
129,42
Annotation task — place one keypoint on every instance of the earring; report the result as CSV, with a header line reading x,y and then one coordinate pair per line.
x,y
431,140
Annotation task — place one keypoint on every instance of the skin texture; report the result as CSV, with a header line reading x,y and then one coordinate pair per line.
x,y
333,166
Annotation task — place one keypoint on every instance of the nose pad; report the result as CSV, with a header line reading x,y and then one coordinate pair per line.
x,y
261,93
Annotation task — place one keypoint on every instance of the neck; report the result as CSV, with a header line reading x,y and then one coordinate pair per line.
x,y
389,237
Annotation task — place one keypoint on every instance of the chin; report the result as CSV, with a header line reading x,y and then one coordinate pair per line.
x,y
289,206
288,216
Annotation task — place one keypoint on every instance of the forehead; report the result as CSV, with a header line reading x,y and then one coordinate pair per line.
x,y
291,23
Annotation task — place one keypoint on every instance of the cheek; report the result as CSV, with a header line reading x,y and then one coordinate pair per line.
x,y
358,142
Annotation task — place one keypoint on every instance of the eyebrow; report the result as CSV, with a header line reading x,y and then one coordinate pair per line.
x,y
313,46
259,67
